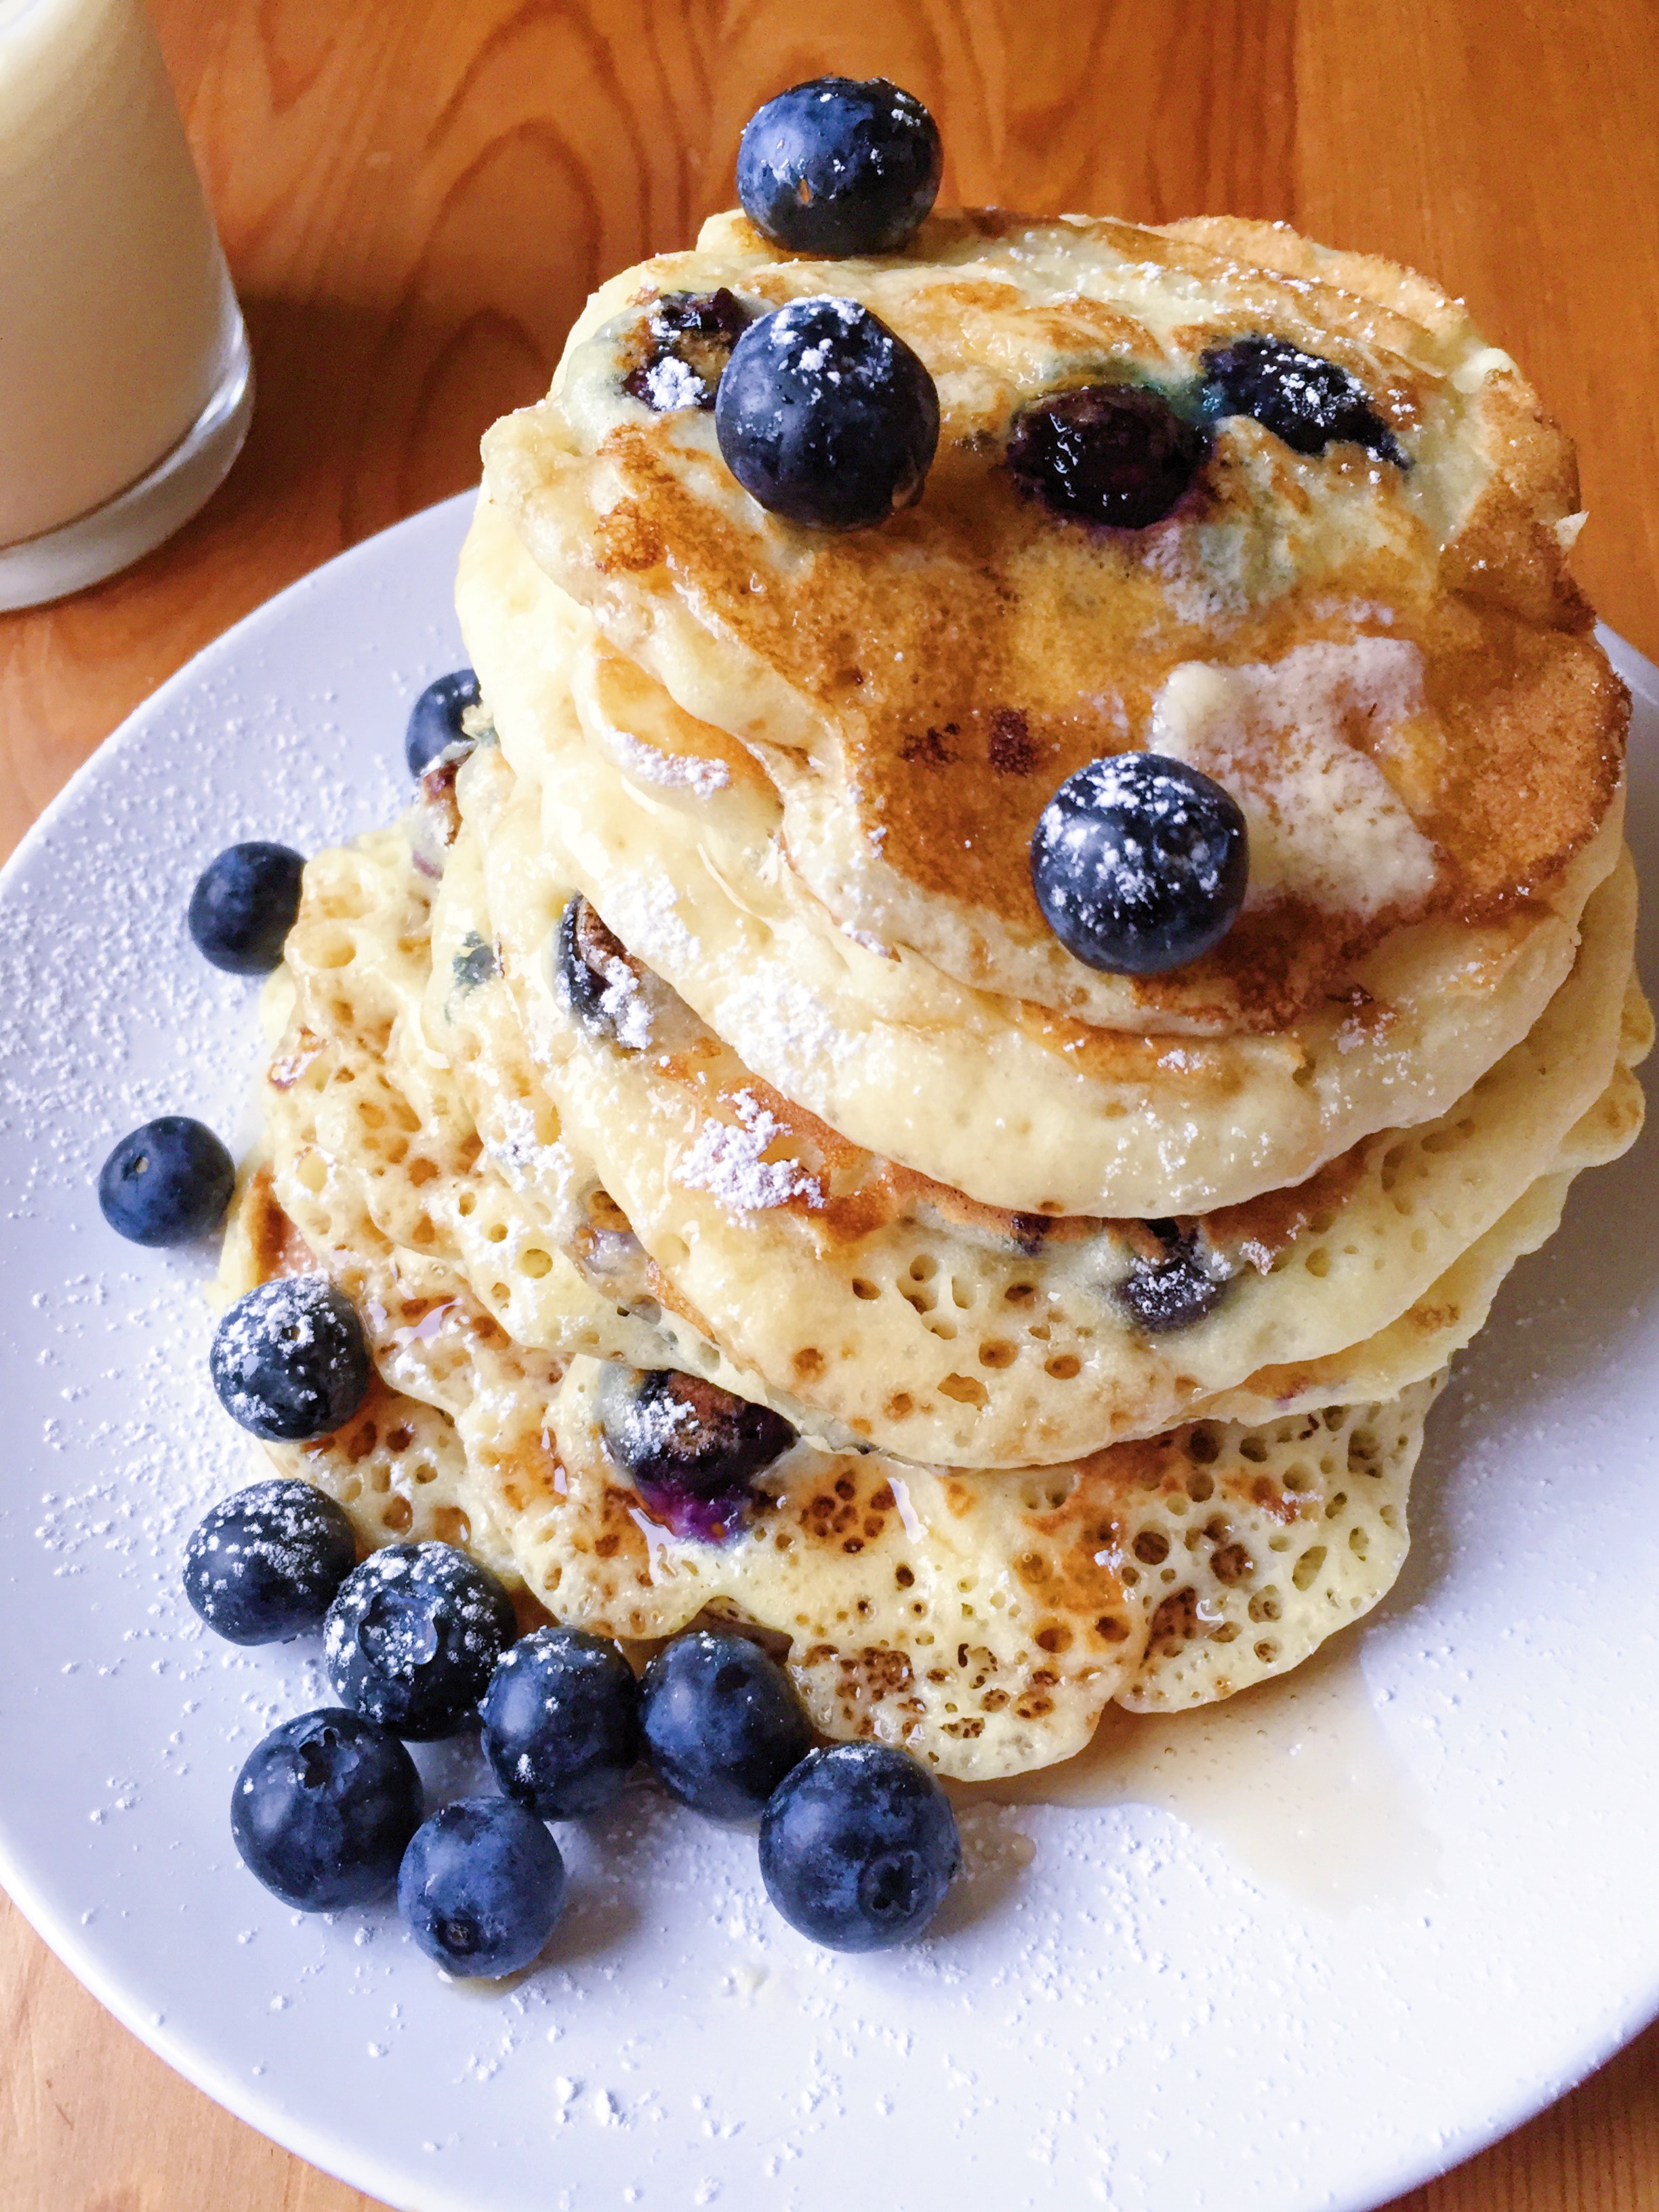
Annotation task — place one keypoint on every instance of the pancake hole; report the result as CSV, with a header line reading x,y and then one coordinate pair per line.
x,y
536,1263
399,1514
965,1389
1305,1571
1112,1628
1264,1604
1267,1652
1054,1637
1063,1367
1359,1542
905,1577
1151,1547
861,1289
1318,1263
997,1353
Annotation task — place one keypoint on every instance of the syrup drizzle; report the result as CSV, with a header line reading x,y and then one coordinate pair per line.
x,y
1295,1780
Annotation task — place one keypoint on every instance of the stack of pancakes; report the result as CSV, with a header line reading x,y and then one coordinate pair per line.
x,y
701,1018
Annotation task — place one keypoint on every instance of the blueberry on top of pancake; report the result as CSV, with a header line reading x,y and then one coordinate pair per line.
x,y
835,166
1141,863
826,416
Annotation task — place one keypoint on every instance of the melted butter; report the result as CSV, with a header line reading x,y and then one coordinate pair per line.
x,y
1295,1780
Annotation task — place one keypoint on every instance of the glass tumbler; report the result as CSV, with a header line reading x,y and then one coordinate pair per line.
x,y
125,382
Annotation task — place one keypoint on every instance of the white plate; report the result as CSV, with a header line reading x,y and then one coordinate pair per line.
x,y
1411,1905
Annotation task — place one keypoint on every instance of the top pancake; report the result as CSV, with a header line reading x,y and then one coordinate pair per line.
x,y
1445,742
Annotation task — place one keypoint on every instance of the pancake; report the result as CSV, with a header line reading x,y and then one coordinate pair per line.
x,y
948,1332
981,1622
697,1031
915,693
364,995
997,1097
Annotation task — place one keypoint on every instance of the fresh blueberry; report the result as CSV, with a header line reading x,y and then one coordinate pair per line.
x,y
323,1809
685,345
266,1564
434,720
562,1722
414,1637
826,416
290,1360
1112,454
691,1449
858,1847
481,1886
837,167
1176,1290
244,905
1307,402
722,1723
1139,864
167,1183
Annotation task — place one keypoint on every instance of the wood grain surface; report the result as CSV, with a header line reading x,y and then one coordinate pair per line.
x,y
417,195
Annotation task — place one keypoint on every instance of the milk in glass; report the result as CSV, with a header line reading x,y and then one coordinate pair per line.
x,y
120,339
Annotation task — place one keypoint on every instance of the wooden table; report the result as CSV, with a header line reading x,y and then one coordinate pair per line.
x,y
417,194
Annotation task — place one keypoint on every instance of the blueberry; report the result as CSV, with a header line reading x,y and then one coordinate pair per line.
x,y
1139,864
244,905
858,1847
1112,454
434,720
1307,402
414,1637
323,1809
1175,1290
562,1722
167,1183
691,1449
722,1723
687,340
290,1360
266,1564
600,977
837,166
826,416
481,1886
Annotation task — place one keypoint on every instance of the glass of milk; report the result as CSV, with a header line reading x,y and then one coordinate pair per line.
x,y
125,384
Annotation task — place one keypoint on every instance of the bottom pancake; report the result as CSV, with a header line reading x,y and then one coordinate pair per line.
x,y
982,1620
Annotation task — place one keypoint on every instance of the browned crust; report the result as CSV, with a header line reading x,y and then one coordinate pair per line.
x,y
974,651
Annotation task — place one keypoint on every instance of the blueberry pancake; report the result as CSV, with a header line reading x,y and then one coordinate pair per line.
x,y
939,1329
1022,916
916,693
675,833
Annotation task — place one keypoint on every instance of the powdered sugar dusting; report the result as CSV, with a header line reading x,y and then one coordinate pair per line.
x,y
729,1163
672,771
